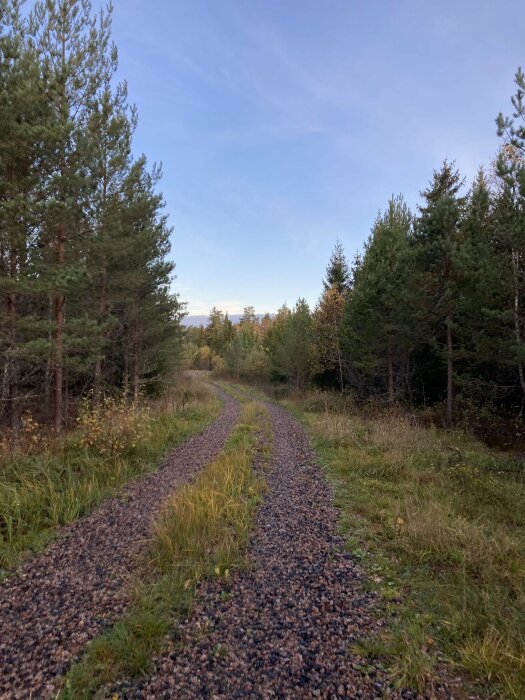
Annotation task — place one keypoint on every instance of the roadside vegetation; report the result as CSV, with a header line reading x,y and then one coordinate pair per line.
x,y
85,270
438,521
47,480
202,531
429,314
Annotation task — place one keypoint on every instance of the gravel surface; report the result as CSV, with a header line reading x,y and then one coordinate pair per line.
x,y
284,628
62,598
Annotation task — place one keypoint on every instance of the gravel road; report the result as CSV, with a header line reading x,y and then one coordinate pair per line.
x,y
284,628
62,598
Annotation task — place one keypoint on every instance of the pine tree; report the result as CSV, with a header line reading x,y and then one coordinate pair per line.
x,y
109,130
24,119
73,45
248,316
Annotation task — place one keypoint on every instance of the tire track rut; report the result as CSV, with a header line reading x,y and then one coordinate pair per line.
x,y
63,597
284,628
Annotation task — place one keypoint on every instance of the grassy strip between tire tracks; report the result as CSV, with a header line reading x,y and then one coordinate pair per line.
x,y
44,488
440,528
201,531
438,522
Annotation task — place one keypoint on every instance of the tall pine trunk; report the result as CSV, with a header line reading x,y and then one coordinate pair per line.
x,y
97,379
136,371
125,379
340,363
59,298
516,310
391,395
58,338
12,368
450,370
136,377
102,307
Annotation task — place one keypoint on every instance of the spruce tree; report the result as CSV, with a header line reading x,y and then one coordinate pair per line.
x,y
378,333
327,327
511,217
337,271
148,313
439,241
215,330
293,354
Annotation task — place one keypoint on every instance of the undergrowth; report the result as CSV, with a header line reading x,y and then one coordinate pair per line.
x,y
201,531
47,482
439,523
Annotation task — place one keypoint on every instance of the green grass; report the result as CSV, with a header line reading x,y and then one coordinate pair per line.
x,y
52,486
201,531
439,523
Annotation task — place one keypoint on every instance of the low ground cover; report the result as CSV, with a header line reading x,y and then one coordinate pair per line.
x,y
202,531
46,482
439,522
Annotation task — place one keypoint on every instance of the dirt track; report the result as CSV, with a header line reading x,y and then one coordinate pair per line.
x,y
285,628
65,596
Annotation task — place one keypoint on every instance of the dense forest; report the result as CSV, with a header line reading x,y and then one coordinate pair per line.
x,y
334,506
431,312
84,276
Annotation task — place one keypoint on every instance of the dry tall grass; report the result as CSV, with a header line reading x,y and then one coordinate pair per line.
x,y
51,481
201,531
438,514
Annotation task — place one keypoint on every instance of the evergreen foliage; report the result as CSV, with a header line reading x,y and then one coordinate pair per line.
x,y
84,277
431,312
337,271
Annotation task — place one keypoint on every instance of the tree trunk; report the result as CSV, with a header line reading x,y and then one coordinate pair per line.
x,y
450,376
409,382
136,380
12,368
11,365
390,381
97,378
59,299
102,308
58,339
517,328
340,363
66,396
125,381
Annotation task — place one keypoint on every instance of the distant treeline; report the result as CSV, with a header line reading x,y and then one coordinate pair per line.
x,y
84,282
432,311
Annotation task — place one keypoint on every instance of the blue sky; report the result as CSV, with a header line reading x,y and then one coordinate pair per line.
x,y
283,125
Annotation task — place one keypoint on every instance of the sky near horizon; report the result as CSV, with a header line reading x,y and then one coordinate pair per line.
x,y
283,125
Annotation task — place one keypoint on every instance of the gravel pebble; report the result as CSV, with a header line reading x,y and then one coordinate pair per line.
x,y
63,597
285,627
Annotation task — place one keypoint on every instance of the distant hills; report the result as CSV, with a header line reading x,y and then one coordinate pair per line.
x,y
203,320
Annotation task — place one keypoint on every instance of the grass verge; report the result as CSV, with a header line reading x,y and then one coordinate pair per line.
x,y
201,531
52,484
439,523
